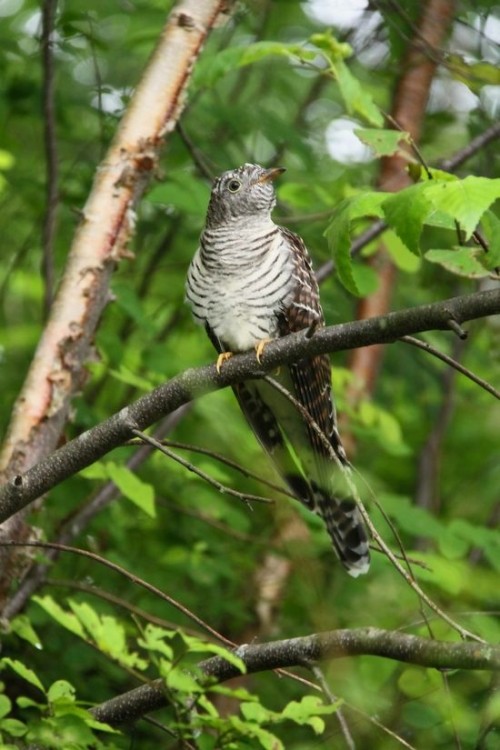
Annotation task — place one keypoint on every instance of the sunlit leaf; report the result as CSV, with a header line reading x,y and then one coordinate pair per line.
x,y
406,213
463,261
23,671
133,488
382,142
465,200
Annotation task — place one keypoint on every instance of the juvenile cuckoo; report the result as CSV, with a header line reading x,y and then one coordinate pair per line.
x,y
250,281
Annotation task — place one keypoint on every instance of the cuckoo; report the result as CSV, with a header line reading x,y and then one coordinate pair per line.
x,y
251,281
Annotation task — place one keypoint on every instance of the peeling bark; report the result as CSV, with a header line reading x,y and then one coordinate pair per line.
x,y
57,371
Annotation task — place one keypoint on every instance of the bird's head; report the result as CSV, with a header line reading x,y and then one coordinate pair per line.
x,y
239,193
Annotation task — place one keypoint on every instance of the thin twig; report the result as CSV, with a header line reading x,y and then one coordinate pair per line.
x,y
224,489
136,580
224,460
379,725
325,687
118,601
195,153
452,362
463,632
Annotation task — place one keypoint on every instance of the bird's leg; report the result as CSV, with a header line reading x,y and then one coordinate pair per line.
x,y
221,359
312,329
259,348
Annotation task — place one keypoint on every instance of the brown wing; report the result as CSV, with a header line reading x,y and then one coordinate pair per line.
x,y
311,377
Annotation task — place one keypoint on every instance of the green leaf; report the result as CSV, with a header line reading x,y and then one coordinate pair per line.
x,y
64,618
195,645
403,258
6,159
491,226
465,200
382,142
14,727
226,61
61,689
5,706
256,712
22,627
133,488
339,231
23,671
153,639
474,74
95,471
462,261
308,710
251,730
333,49
356,98
180,680
406,212
107,633
365,278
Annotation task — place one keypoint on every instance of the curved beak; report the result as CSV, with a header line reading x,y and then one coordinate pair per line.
x,y
270,175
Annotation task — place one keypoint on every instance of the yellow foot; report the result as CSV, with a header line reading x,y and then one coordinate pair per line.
x,y
221,359
259,348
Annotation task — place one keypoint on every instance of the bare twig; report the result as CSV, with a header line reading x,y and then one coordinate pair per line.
x,y
228,462
118,601
463,632
325,687
245,497
452,363
131,577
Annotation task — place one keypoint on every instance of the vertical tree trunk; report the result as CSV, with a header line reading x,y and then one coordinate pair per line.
x,y
408,110
57,371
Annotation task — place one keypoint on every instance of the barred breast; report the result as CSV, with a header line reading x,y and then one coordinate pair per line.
x,y
239,282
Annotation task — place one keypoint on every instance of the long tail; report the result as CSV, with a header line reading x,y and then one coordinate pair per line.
x,y
342,520
347,531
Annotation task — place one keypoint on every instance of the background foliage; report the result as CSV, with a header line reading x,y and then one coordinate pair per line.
x,y
252,572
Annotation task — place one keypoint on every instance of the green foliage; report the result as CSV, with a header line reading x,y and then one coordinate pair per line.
x,y
56,720
266,88
444,201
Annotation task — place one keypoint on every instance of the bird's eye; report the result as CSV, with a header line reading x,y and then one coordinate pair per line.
x,y
233,186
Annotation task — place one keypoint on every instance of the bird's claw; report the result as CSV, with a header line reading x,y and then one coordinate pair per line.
x,y
221,359
259,349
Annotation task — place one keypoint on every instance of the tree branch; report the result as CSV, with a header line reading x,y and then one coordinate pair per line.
x,y
75,523
113,432
57,370
293,652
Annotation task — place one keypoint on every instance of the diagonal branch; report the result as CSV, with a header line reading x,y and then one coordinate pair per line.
x,y
318,647
57,370
113,432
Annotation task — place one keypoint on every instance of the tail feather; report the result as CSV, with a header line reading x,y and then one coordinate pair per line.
x,y
347,531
